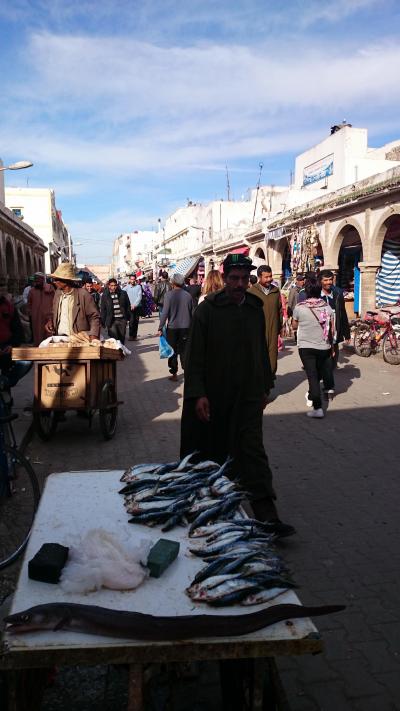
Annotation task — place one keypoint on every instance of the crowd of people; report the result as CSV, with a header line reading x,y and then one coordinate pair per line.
x,y
225,332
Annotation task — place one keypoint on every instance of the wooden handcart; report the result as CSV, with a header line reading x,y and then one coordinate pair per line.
x,y
69,377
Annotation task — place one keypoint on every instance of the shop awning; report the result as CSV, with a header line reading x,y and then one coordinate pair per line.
x,y
186,266
240,250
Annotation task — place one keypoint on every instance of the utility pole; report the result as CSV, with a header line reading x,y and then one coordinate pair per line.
x,y
260,165
228,186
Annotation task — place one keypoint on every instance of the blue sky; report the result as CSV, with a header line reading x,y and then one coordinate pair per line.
x,y
129,108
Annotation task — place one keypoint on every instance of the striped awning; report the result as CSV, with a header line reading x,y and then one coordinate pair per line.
x,y
388,277
186,266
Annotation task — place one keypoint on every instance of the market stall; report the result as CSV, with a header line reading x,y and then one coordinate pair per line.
x,y
74,503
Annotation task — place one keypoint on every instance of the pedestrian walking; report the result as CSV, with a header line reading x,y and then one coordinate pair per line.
x,y
115,310
315,322
293,296
271,299
134,292
40,307
333,296
89,286
212,282
74,310
194,289
227,381
161,290
147,303
177,316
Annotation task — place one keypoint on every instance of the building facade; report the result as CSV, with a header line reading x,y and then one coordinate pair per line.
x,y
37,207
133,252
22,252
342,211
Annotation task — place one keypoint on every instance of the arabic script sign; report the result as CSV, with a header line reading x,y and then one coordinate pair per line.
x,y
318,171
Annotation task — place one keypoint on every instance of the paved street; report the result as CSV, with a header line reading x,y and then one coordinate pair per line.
x,y
337,483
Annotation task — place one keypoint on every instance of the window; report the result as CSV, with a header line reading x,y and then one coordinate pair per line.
x,y
17,212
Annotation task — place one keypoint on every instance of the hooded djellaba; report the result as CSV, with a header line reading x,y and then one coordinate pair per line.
x,y
228,369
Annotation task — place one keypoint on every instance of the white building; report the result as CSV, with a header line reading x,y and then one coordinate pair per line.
x,y
211,230
132,252
341,159
37,207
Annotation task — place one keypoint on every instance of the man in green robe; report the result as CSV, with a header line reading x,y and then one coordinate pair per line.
x,y
271,299
227,381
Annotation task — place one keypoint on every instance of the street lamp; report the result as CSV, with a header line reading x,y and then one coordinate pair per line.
x,y
19,165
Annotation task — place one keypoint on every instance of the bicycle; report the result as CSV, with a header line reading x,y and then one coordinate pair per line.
x,y
19,487
371,331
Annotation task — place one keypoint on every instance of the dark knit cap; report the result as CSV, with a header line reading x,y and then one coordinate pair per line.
x,y
237,260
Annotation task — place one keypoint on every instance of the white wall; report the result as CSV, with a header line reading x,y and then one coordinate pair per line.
x,y
352,160
39,211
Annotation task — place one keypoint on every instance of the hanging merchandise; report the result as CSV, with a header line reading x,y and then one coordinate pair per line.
x,y
304,249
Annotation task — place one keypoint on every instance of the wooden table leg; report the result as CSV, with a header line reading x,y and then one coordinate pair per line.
x,y
259,671
135,688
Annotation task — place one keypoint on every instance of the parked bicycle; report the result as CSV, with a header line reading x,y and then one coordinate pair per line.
x,y
373,331
19,487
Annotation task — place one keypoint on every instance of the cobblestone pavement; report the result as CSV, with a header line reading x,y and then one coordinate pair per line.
x,y
337,483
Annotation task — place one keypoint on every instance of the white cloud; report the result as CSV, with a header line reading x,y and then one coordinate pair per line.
x,y
126,106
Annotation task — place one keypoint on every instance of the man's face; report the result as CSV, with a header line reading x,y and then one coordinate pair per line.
x,y
89,287
132,280
265,278
112,287
39,282
60,284
300,283
327,283
237,282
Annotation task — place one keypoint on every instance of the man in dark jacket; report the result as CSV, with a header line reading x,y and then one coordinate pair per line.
x,y
335,299
227,381
161,290
115,310
177,316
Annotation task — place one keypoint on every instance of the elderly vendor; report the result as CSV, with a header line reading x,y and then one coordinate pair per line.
x,y
74,310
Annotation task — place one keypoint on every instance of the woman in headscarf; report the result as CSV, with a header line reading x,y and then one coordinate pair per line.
x,y
314,322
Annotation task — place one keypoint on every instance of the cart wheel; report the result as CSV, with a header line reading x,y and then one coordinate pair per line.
x,y
108,410
45,423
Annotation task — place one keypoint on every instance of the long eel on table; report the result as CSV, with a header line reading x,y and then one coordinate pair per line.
x,y
92,619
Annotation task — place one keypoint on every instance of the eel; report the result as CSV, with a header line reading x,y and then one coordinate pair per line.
x,y
92,619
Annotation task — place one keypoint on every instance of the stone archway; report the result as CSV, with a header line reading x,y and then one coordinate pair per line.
x,y
260,254
29,265
380,231
348,275
343,229
11,268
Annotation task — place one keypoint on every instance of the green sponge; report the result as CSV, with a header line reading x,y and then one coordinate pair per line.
x,y
48,563
161,555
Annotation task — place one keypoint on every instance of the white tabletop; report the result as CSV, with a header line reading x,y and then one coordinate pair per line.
x,y
75,502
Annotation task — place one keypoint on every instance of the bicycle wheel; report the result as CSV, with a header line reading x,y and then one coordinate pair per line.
x,y
391,348
362,341
108,410
17,510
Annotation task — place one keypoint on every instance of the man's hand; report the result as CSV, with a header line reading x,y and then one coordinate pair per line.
x,y
49,328
159,332
203,409
133,308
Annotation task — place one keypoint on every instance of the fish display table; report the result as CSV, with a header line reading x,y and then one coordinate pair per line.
x,y
74,503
